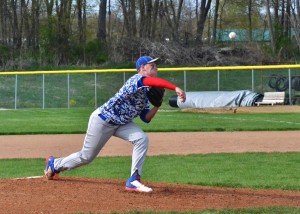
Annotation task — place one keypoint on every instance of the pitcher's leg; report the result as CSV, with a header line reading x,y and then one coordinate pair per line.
x,y
134,134
98,133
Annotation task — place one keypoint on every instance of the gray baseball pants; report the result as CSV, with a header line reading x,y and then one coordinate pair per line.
x,y
97,135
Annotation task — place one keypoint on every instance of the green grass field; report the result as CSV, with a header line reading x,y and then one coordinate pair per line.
x,y
245,170
58,121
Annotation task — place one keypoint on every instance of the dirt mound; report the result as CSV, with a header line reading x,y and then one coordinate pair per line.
x,y
70,195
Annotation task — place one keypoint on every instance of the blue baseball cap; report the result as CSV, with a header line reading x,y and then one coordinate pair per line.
x,y
144,60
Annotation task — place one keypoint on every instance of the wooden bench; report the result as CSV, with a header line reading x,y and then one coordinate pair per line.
x,y
272,98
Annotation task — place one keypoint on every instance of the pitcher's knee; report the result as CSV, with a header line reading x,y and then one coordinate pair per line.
x,y
86,159
143,141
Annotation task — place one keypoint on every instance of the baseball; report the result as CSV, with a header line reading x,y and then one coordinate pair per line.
x,y
232,35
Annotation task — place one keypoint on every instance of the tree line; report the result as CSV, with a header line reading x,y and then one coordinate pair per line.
x,y
35,33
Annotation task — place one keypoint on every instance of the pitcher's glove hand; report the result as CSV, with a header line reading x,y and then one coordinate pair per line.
x,y
155,95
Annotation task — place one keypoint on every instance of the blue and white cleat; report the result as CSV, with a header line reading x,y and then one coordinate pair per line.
x,y
134,184
49,171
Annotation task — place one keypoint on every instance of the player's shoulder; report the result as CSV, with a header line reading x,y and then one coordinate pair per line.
x,y
134,78
137,76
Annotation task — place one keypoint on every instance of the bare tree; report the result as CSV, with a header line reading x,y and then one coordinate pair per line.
x,y
63,11
49,7
30,22
101,33
161,14
4,22
270,25
148,18
143,26
16,26
35,28
215,22
25,23
133,18
128,8
286,23
48,27
297,10
201,18
154,20
249,8
173,17
295,21
81,20
221,16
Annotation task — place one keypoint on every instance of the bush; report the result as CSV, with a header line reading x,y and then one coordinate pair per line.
x,y
95,52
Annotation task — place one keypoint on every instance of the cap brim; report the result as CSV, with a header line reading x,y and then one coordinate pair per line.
x,y
154,60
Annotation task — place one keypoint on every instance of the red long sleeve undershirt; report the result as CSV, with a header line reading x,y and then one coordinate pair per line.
x,y
158,82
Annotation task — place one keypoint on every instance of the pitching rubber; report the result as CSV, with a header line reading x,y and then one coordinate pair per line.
x,y
30,177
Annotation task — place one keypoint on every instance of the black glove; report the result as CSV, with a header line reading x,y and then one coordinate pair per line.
x,y
155,96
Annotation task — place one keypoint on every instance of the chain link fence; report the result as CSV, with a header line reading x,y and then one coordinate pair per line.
x,y
91,88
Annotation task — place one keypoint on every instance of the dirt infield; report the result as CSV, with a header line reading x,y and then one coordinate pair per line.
x,y
40,146
71,195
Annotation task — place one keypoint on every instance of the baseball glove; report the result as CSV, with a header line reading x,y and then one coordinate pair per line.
x,y
155,96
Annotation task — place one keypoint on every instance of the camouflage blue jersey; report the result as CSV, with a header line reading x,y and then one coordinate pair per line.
x,y
129,102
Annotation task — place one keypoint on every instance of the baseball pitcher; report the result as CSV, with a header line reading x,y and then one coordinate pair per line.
x,y
115,118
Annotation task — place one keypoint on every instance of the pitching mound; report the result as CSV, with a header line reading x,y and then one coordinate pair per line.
x,y
70,195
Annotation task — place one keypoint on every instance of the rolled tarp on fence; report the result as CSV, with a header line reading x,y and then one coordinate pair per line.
x,y
214,99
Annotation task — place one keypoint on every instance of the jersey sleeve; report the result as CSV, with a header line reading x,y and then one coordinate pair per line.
x,y
143,115
158,82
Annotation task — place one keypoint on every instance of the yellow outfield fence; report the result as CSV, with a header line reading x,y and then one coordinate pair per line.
x,y
90,88
216,68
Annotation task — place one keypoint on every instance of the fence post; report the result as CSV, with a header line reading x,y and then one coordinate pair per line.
x,y
218,80
290,87
43,91
96,90
252,80
184,80
68,80
16,90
